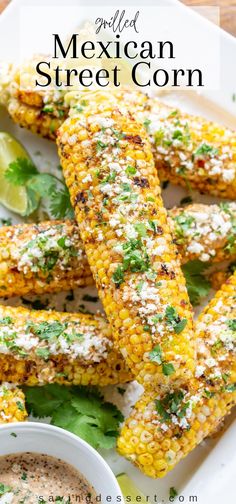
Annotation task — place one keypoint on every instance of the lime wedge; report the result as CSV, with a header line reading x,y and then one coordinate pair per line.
x,y
12,197
129,490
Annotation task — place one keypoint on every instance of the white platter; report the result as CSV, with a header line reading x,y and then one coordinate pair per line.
x,y
208,472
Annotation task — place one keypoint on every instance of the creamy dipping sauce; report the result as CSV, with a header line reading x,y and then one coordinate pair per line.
x,y
36,478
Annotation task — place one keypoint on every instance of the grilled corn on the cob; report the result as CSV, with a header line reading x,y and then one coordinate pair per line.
x,y
12,404
193,152
109,169
45,347
164,428
38,258
50,257
188,150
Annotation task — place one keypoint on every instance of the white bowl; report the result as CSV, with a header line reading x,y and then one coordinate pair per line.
x,y
43,438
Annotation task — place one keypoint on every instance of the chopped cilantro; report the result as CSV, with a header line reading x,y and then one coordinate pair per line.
x,y
141,229
183,223
174,320
168,368
230,388
4,489
130,170
172,494
100,145
135,259
47,330
156,354
13,434
43,353
159,136
6,320
208,393
118,275
205,150
232,324
20,405
24,476
174,113
48,109
172,403
197,284
81,410
146,124
6,222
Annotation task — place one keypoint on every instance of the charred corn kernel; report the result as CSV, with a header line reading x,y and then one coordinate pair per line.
x,y
178,419
39,347
217,328
45,257
12,404
144,278
188,150
33,261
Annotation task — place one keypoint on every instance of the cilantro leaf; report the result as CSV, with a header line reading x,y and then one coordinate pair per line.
x,y
168,368
33,201
43,184
60,205
20,171
80,410
197,284
4,489
156,354
172,493
43,401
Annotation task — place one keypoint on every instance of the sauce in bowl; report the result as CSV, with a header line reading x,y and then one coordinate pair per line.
x,y
37,478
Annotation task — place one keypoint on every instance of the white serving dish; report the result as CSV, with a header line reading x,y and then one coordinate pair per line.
x,y
213,460
50,440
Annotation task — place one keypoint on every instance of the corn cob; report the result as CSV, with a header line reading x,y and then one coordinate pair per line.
x,y
39,347
38,258
12,404
193,152
32,260
34,119
164,428
108,167
188,150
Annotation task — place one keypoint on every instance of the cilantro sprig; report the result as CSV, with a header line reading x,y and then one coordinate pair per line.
x,y
197,284
81,410
23,172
